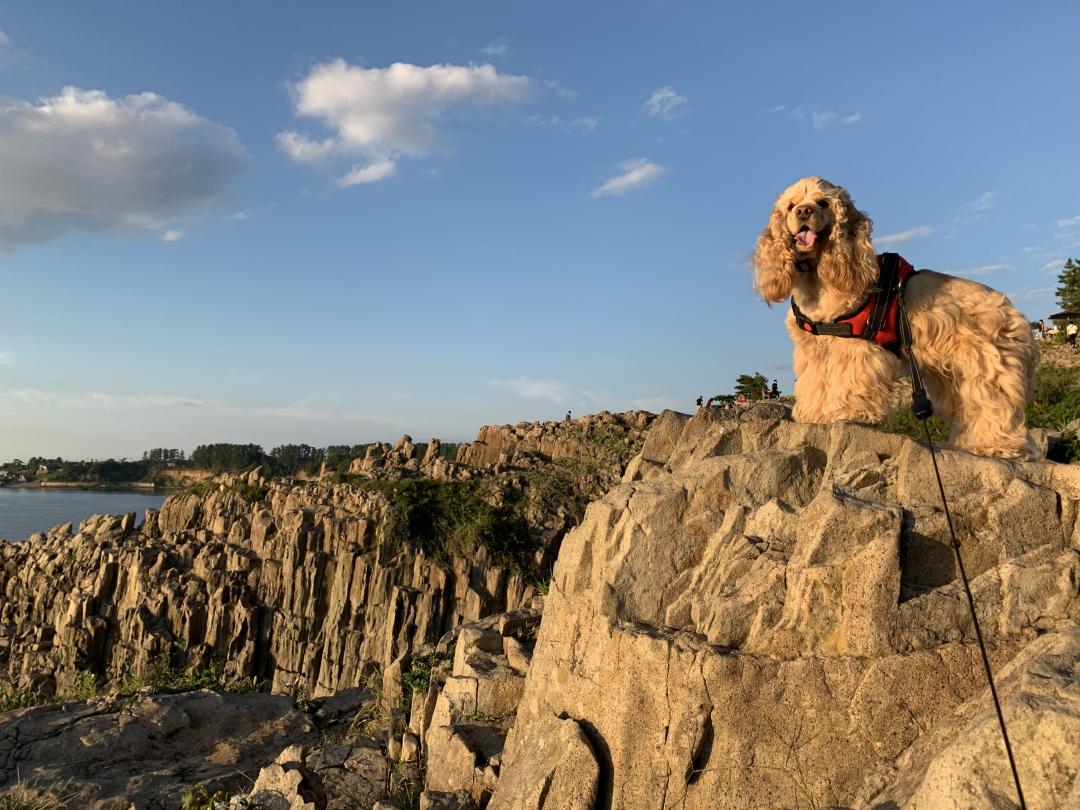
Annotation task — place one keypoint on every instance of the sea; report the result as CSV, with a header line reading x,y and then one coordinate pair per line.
x,y
24,511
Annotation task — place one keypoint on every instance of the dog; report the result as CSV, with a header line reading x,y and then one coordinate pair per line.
x,y
975,351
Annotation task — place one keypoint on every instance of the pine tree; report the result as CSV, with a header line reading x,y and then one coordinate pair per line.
x,y
751,385
1068,293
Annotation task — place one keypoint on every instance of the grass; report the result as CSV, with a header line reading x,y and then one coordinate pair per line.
x,y
418,678
1055,405
453,519
252,493
199,799
27,796
159,679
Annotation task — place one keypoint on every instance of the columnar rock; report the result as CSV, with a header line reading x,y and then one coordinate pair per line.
x,y
297,588
766,614
601,438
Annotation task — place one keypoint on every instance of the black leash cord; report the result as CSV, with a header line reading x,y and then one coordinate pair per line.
x,y
922,409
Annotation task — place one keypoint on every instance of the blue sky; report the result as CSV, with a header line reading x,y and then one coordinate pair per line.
x,y
242,222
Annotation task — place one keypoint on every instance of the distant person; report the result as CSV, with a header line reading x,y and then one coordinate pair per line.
x,y
1070,334
1042,329
774,392
764,390
699,401
740,399
567,416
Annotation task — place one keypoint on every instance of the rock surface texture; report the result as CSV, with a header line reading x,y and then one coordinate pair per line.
x,y
767,615
293,583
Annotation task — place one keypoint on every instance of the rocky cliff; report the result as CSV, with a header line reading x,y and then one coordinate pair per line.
x,y
766,615
305,585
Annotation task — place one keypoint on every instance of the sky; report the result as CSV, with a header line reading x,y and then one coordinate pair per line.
x,y
339,222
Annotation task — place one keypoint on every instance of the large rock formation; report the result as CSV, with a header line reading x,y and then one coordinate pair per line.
x,y
300,584
767,614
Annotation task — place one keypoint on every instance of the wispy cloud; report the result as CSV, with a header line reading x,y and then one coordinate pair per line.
x,y
172,235
371,173
497,47
637,173
584,124
983,202
5,359
1056,265
1072,222
1036,295
663,102
533,388
819,119
903,236
983,270
30,395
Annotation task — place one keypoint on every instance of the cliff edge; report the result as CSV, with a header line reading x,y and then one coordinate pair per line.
x,y
766,614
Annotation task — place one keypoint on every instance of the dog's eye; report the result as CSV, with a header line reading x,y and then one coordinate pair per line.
x,y
790,206
823,203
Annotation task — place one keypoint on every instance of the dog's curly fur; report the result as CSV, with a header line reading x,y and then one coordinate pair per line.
x,y
974,349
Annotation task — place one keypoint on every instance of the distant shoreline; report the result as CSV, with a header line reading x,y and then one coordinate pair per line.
x,y
132,486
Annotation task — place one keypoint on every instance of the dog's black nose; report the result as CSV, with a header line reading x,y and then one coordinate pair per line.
x,y
804,211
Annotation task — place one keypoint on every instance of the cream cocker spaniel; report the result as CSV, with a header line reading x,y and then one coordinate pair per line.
x,y
974,349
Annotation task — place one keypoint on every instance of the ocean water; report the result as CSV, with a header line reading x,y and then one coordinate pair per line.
x,y
25,511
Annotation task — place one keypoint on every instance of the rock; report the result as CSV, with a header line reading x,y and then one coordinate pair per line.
x,y
156,747
771,610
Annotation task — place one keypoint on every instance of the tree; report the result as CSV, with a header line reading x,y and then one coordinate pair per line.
x,y
751,385
1068,294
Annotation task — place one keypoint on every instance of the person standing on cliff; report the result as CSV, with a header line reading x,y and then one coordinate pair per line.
x,y
567,416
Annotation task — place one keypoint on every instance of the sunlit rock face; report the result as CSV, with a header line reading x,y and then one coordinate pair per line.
x,y
767,614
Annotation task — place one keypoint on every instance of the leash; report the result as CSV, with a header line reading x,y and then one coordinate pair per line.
x,y
922,409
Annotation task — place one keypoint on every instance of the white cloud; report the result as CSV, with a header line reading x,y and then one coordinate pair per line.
x,y
663,102
497,47
1072,222
30,395
532,388
383,114
585,124
637,173
172,235
984,270
1056,265
5,359
5,40
854,118
822,119
372,173
903,236
1037,295
983,202
129,165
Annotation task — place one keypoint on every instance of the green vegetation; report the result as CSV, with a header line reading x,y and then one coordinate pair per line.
x,y
450,519
1068,293
1055,406
751,385
28,796
160,678
252,493
418,678
199,799
905,423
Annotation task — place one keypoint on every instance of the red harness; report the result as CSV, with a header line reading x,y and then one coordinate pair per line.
x,y
875,318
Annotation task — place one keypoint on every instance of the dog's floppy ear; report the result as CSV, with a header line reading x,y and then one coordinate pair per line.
x,y
774,260
849,263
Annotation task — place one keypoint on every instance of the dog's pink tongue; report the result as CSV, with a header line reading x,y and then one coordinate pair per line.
x,y
806,238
